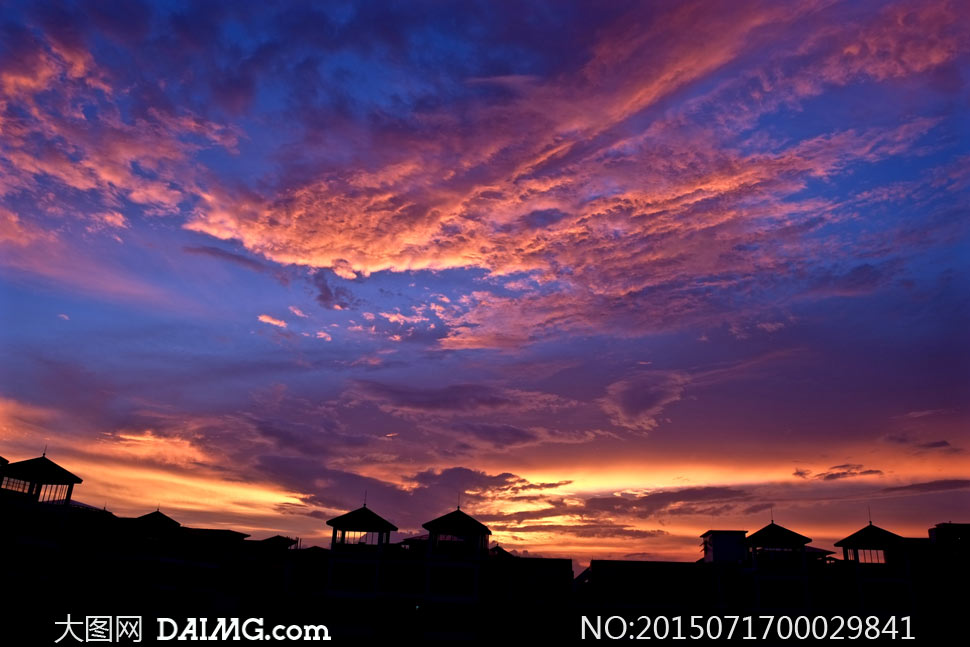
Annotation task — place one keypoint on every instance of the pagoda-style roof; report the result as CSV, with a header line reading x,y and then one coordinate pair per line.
x,y
157,521
870,536
457,524
775,536
362,520
40,470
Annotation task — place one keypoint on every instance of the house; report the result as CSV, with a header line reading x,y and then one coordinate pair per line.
x,y
39,479
870,545
776,545
724,546
457,533
950,534
360,527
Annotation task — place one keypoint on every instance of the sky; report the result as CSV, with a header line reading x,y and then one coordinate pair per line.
x,y
608,275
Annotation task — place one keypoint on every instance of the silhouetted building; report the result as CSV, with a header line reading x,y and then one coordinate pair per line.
x,y
211,535
497,552
278,542
950,534
457,533
358,566
360,527
155,523
416,544
870,545
776,544
39,479
724,546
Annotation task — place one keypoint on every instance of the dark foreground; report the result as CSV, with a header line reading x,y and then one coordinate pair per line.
x,y
104,572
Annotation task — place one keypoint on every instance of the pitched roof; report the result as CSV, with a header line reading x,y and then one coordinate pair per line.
x,y
40,470
501,553
775,536
362,520
456,523
277,541
869,537
157,520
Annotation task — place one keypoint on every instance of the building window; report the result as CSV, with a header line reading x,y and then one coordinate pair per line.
x,y
868,556
358,537
53,493
16,485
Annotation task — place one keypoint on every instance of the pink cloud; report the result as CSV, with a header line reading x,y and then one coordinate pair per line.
x,y
279,323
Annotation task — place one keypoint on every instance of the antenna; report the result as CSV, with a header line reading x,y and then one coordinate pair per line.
x,y
459,499
869,510
365,498
45,450
772,509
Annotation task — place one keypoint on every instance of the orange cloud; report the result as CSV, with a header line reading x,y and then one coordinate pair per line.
x,y
279,323
565,195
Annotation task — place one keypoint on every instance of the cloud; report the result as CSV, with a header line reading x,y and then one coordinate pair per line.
x,y
861,279
298,312
847,470
279,323
587,530
906,439
499,435
452,399
941,485
924,413
30,251
771,326
418,498
618,179
637,402
609,183
712,500
221,254
936,444
478,485
332,298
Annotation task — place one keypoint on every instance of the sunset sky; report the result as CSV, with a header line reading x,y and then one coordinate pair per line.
x,y
609,273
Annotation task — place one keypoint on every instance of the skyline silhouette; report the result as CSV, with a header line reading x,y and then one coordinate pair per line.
x,y
449,583
41,481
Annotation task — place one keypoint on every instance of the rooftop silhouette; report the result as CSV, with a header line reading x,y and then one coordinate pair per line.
x,y
38,478
453,567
